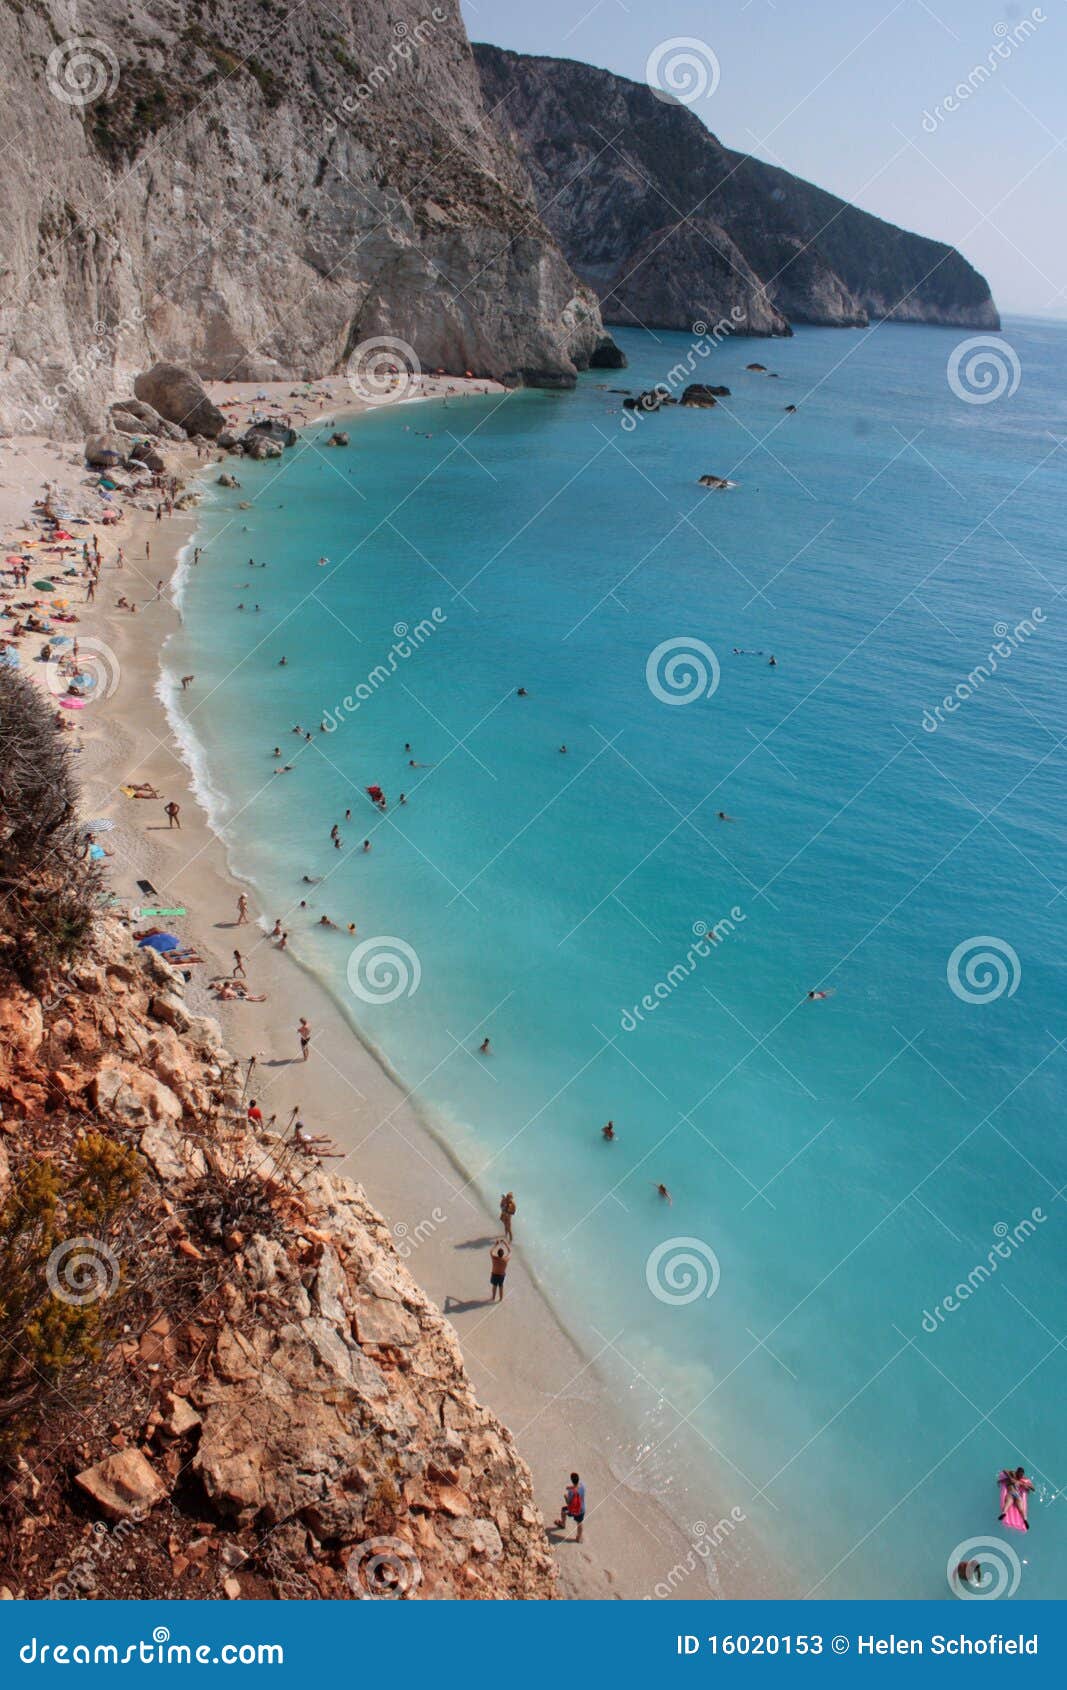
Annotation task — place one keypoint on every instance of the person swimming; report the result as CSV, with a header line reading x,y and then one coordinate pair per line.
x,y
816,997
663,1192
608,1132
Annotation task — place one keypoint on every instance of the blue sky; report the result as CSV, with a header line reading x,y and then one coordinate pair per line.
x,y
851,94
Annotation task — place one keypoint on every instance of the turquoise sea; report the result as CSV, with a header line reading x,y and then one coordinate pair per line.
x,y
869,1185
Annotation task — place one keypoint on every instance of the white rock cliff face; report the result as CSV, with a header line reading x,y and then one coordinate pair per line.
x,y
256,192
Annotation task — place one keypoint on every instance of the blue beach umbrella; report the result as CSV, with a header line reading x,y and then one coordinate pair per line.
x,y
160,942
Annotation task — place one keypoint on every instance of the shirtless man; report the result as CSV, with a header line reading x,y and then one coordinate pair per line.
x,y
499,1257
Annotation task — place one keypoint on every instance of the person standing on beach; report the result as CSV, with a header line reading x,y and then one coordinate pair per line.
x,y
242,910
304,1031
573,1506
173,811
507,1213
498,1267
239,966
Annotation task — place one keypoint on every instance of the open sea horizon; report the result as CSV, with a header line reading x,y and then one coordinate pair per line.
x,y
849,1317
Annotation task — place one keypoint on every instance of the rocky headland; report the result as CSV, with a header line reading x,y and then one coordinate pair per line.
x,y
671,227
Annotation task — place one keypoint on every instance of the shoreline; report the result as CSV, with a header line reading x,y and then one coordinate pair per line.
x,y
522,1361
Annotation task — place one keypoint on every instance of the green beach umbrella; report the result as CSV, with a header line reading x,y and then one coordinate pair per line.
x,y
45,586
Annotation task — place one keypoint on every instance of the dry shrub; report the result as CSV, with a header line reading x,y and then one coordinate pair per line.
x,y
48,889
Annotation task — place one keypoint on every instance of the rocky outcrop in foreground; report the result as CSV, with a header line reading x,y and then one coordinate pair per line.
x,y
257,192
235,1387
672,228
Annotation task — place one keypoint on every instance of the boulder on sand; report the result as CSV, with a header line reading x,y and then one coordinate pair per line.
x,y
148,456
133,416
178,395
104,451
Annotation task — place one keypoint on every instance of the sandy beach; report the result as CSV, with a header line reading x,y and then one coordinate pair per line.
x,y
523,1363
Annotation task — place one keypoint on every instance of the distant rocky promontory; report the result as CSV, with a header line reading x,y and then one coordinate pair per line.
x,y
671,227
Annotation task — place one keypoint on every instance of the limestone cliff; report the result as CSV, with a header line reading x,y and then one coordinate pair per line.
x,y
256,191
670,226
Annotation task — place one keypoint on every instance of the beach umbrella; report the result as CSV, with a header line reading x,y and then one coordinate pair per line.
x,y
160,942
10,658
45,586
103,824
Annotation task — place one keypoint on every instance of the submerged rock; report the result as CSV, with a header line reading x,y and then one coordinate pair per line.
x,y
699,395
